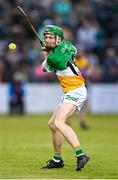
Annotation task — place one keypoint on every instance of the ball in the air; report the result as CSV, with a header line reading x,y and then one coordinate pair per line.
x,y
12,46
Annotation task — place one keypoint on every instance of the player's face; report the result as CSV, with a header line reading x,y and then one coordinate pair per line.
x,y
50,41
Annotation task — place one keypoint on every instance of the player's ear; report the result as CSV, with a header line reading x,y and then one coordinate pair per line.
x,y
59,39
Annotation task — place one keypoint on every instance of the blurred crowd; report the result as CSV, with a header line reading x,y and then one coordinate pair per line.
x,y
92,25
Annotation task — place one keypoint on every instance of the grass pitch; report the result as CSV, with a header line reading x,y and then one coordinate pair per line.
x,y
25,145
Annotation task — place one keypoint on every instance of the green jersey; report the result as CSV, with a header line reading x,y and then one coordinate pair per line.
x,y
58,58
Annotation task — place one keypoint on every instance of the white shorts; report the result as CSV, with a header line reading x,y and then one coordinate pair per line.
x,y
76,97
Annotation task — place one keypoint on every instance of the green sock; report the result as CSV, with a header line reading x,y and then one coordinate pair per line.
x,y
79,151
56,157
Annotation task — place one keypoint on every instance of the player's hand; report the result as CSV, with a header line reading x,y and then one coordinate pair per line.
x,y
45,53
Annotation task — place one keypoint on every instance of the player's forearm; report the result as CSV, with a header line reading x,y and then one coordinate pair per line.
x,y
46,67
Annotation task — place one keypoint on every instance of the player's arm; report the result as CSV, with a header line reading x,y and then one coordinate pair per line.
x,y
45,66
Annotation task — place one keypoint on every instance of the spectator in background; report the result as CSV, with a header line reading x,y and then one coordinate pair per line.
x,y
82,62
68,33
62,10
96,74
80,20
96,70
111,57
41,76
1,71
87,34
85,9
5,70
111,66
16,95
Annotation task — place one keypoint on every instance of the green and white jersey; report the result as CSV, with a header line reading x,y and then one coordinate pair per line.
x,y
57,58
57,61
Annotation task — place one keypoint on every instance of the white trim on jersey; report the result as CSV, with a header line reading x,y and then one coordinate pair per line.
x,y
66,72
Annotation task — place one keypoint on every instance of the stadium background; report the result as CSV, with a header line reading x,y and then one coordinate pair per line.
x,y
92,25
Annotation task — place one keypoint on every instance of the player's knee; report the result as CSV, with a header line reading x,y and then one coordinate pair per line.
x,y
51,125
57,124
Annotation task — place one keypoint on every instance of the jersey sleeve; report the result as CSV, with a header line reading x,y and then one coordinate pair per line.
x,y
46,66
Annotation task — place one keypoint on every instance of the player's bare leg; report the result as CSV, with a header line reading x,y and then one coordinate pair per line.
x,y
58,123
63,113
57,139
